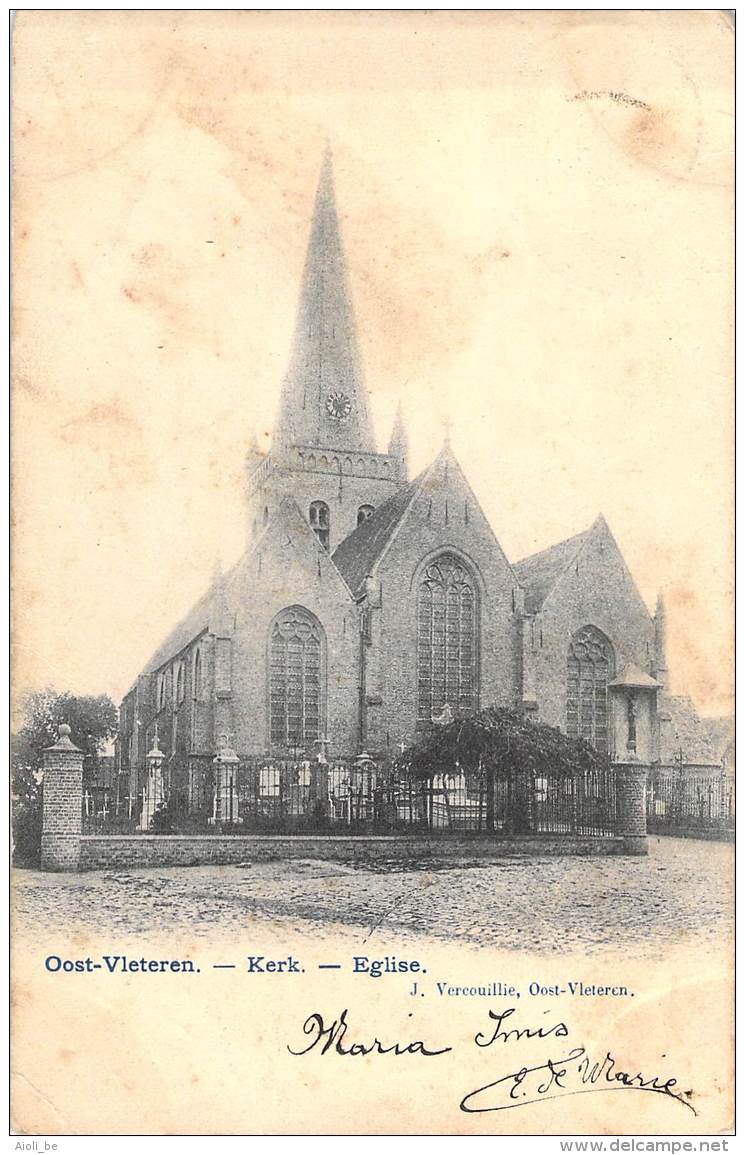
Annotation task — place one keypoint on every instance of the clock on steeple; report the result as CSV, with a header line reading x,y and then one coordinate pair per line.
x,y
324,397
338,406
324,454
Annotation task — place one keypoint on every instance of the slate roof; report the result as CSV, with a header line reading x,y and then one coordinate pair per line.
x,y
539,573
356,556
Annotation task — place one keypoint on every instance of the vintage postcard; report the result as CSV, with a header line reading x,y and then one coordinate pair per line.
x,y
372,461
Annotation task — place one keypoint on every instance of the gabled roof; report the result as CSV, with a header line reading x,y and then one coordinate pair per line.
x,y
539,573
202,616
356,556
208,614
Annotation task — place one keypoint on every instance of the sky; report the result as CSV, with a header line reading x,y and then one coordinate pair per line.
x,y
537,211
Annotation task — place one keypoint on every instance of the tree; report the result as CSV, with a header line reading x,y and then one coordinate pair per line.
x,y
501,745
93,722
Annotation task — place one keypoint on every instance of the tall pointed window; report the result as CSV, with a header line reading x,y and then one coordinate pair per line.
x,y
589,669
297,673
320,521
198,678
447,614
364,512
161,693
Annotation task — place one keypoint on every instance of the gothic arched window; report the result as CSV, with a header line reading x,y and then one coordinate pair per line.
x,y
364,512
197,684
180,680
161,695
589,669
297,672
320,521
447,614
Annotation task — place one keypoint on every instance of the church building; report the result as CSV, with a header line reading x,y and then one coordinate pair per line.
x,y
369,604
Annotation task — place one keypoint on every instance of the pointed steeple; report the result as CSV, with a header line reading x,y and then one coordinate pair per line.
x,y
253,454
660,642
324,398
398,446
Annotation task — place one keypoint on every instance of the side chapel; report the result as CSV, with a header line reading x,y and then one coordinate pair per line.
x,y
368,604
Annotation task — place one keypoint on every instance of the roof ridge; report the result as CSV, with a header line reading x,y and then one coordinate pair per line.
x,y
539,573
408,488
199,617
365,545
551,548
204,602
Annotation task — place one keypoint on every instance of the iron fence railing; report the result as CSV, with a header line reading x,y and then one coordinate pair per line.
x,y
354,796
689,799
109,808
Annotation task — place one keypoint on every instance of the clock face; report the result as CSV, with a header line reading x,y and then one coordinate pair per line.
x,y
338,406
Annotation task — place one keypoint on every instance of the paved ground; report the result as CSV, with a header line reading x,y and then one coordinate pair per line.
x,y
685,887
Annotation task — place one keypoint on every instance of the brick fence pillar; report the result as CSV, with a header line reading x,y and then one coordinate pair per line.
x,y
631,805
62,813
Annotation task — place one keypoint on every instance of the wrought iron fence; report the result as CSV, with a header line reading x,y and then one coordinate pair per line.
x,y
110,808
687,799
354,796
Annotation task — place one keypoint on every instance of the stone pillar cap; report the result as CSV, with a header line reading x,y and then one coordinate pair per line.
x,y
63,742
226,755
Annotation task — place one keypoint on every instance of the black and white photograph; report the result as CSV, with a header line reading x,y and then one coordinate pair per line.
x,y
373,573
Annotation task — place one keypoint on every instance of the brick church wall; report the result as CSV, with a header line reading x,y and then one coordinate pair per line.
x,y
599,591
392,655
336,483
184,728
289,569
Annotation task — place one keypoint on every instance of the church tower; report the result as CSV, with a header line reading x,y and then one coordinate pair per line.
x,y
323,450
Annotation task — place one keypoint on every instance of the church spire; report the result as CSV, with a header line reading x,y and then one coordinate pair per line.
x,y
324,398
660,642
398,445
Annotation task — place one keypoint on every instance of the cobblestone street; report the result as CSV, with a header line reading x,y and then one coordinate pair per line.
x,y
684,888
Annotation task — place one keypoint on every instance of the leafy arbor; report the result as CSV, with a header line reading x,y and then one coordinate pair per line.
x,y
501,745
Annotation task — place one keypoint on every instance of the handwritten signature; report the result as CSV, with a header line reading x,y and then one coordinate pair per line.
x,y
575,1073
334,1035
547,1081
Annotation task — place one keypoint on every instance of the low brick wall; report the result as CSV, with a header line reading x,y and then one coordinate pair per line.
x,y
98,852
694,832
